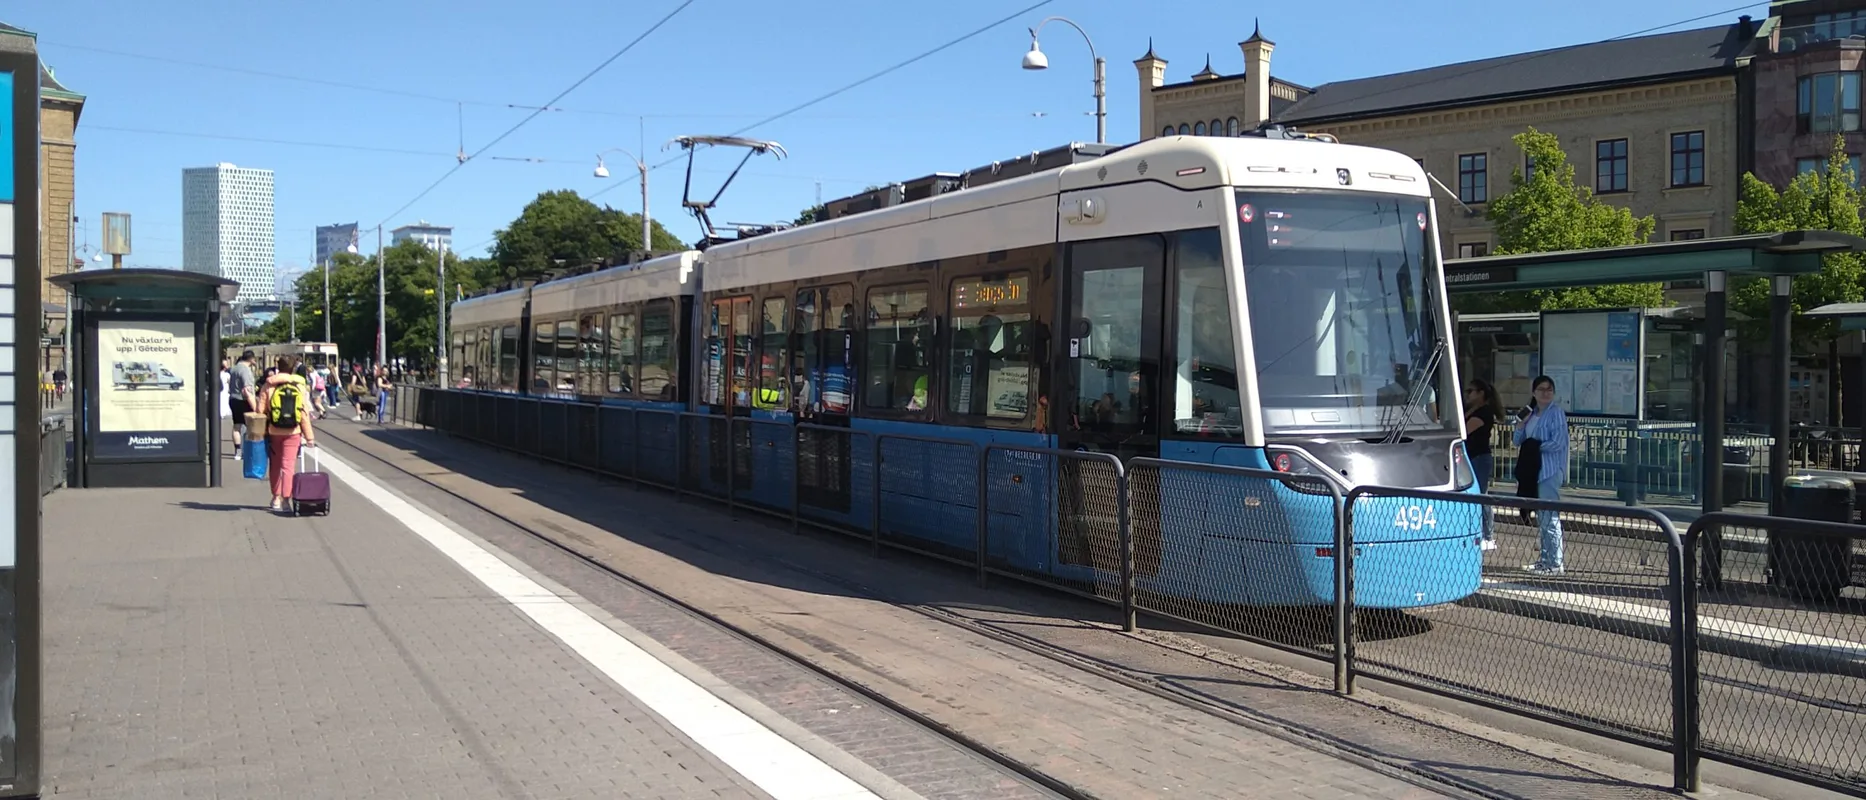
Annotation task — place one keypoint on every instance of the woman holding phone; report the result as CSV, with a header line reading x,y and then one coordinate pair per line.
x,y
1543,429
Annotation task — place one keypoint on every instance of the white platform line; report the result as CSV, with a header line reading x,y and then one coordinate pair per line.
x,y
1657,615
769,761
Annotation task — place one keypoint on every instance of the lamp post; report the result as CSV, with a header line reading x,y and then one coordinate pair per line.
x,y
382,306
440,296
1035,59
602,171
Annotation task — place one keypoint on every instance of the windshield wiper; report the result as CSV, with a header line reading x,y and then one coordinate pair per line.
x,y
1421,383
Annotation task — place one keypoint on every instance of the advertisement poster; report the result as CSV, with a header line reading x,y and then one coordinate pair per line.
x,y
146,393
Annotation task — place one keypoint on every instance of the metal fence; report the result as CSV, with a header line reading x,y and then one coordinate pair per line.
x,y
1741,640
54,460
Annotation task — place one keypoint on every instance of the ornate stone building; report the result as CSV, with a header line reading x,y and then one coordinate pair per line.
x,y
1652,123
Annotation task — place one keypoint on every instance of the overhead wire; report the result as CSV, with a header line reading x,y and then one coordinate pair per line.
x,y
534,115
387,90
871,78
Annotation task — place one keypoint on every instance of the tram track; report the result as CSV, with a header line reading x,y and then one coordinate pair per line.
x,y
1398,769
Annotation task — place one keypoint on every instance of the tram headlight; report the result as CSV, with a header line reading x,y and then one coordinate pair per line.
x,y
1296,462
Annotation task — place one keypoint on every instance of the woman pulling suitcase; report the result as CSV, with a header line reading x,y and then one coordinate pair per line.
x,y
288,428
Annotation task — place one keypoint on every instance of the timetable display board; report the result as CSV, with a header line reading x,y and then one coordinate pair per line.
x,y
1597,360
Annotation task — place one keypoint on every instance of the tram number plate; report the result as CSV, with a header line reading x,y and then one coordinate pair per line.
x,y
1413,518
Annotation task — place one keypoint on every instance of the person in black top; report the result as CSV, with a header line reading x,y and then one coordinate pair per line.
x,y
1481,407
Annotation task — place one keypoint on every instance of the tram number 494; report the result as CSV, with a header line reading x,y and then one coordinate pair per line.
x,y
1413,518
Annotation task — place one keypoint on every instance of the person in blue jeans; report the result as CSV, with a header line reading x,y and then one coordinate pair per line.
x,y
1546,423
1482,408
379,386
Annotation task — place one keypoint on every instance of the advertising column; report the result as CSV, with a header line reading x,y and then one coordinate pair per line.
x,y
145,390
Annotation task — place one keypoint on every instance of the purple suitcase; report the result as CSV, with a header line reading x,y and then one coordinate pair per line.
x,y
310,490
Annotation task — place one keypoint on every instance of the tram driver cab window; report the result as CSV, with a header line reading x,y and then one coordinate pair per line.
x,y
1205,387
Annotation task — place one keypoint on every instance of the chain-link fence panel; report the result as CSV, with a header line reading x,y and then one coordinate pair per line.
x,y
1781,638
1559,609
928,490
1247,551
1056,516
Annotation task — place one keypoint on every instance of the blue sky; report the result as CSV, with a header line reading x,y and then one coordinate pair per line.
x,y
714,68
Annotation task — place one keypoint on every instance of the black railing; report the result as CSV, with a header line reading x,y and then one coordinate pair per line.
x,y
1613,642
54,461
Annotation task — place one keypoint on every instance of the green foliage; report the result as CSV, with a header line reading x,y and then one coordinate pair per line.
x,y
809,215
1547,212
561,229
1828,200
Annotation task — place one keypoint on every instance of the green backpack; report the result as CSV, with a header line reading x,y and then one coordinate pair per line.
x,y
287,404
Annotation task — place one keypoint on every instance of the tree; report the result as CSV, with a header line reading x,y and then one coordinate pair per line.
x,y
1827,200
1547,212
562,229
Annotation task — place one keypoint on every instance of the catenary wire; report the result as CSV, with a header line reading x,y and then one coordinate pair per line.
x,y
534,115
847,87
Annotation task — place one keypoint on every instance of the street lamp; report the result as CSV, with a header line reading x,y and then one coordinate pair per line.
x,y
1035,60
602,171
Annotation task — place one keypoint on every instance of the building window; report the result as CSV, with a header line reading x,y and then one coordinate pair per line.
x,y
1828,102
1184,129
1806,165
1217,127
1473,249
1473,184
1529,168
1198,129
1231,126
1688,159
1168,131
1688,234
1610,166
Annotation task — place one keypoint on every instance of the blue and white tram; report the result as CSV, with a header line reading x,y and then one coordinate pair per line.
x,y
1263,302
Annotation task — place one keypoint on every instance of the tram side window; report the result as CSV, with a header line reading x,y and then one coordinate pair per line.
x,y
1205,382
463,360
543,379
622,356
773,343
591,341
486,358
990,352
900,334
826,327
806,352
508,358
658,347
459,351
567,356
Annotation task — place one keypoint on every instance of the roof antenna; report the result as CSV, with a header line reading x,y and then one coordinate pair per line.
x,y
700,207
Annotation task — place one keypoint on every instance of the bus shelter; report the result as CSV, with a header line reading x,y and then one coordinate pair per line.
x,y
146,376
1776,257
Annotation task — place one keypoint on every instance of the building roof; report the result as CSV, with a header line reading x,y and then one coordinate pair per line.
x,y
1563,70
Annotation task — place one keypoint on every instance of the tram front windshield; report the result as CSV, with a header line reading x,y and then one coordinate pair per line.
x,y
1343,311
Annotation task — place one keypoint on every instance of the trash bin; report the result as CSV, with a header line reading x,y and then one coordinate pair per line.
x,y
1735,475
1816,566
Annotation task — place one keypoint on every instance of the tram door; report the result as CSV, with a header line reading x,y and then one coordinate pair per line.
x,y
1108,383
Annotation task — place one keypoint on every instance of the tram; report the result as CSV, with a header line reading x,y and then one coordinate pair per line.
x,y
1272,301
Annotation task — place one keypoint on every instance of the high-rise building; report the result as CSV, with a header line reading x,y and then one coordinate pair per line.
x,y
334,239
226,220
436,237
